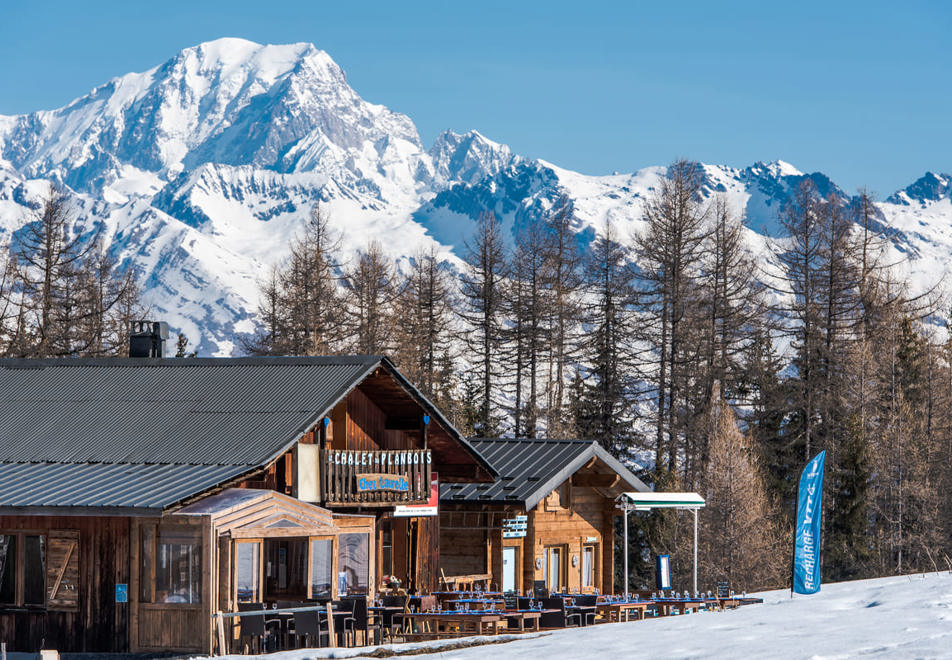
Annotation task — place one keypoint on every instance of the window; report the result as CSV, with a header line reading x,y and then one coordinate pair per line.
x,y
560,498
22,569
386,549
588,567
248,572
170,569
178,571
353,564
285,573
8,569
553,568
322,568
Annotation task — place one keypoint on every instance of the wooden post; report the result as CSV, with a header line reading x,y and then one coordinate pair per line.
x,y
220,626
331,636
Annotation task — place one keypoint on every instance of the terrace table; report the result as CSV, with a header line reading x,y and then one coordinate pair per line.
x,y
454,624
523,619
477,603
665,605
380,613
621,611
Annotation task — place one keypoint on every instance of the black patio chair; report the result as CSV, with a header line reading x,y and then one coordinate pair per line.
x,y
254,627
524,602
393,621
358,621
559,617
344,618
587,604
311,625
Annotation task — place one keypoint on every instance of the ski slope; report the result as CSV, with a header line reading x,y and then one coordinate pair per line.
x,y
896,617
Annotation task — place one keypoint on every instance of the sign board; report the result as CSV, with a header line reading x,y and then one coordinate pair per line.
x,y
122,593
515,527
511,599
374,482
539,590
431,508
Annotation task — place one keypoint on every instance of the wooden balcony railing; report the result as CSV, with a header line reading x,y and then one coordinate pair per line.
x,y
368,477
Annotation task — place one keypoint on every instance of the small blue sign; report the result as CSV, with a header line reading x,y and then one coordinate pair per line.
x,y
122,593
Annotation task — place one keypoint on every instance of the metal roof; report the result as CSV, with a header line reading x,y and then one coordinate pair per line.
x,y
120,485
530,469
136,432
197,411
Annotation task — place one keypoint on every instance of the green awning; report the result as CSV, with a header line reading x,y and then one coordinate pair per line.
x,y
648,501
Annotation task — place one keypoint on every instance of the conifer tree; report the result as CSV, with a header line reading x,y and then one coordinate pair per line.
x,y
371,291
742,542
481,286
669,253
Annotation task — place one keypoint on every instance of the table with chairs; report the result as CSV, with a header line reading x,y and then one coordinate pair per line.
x,y
354,621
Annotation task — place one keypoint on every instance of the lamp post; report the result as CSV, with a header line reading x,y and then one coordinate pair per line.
x,y
624,506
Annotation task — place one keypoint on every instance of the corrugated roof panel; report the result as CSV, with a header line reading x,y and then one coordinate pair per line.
x,y
198,411
526,466
107,484
529,462
148,433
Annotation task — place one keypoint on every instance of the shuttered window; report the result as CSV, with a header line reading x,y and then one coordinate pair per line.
x,y
62,570
23,579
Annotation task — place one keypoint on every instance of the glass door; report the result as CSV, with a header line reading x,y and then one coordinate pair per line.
x,y
248,571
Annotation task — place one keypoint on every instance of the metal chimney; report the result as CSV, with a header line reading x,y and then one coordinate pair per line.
x,y
147,339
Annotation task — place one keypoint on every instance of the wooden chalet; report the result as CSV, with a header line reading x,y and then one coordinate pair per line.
x,y
549,517
139,496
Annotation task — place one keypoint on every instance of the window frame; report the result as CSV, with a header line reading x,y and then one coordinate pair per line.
x,y
151,535
259,587
562,581
560,499
339,547
310,565
19,569
593,547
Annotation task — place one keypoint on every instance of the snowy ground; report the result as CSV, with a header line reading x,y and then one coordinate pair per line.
x,y
900,617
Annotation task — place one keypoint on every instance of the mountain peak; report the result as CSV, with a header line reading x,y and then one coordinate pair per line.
x,y
930,187
775,168
468,157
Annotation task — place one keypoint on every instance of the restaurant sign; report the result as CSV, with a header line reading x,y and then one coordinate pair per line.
x,y
431,508
515,527
373,482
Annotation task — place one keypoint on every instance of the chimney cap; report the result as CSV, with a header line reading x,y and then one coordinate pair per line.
x,y
147,339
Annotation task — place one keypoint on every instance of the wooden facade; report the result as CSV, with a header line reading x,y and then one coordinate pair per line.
x,y
127,577
86,556
378,428
559,529
472,542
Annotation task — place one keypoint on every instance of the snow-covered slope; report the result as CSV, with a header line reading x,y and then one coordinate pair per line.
x,y
897,617
204,167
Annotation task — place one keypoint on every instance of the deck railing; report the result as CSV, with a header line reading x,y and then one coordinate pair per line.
x,y
381,476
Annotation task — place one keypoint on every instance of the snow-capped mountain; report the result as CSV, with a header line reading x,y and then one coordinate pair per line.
x,y
201,169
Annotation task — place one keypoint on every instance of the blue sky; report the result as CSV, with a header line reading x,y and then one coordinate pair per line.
x,y
860,91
